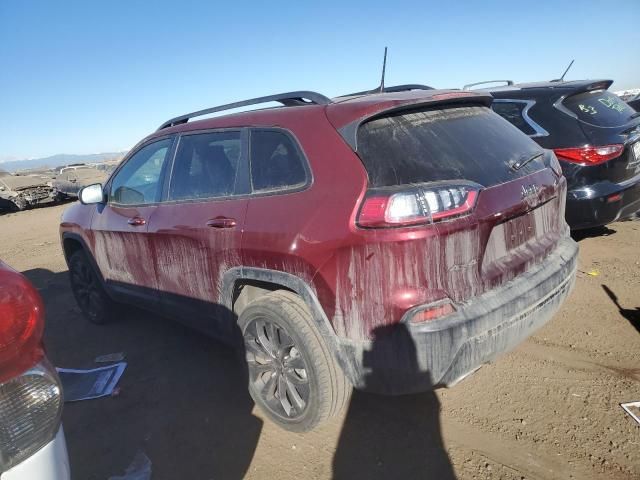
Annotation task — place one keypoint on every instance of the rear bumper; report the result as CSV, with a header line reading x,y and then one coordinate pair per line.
x,y
414,358
49,463
589,207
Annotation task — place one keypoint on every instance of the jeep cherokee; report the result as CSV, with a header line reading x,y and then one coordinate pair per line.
x,y
301,230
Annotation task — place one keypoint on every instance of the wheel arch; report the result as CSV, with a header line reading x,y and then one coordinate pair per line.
x,y
270,280
73,242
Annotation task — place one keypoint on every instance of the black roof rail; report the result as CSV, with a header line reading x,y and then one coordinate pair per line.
x,y
288,99
394,88
468,86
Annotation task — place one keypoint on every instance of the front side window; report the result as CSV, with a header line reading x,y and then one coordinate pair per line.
x,y
138,182
206,165
275,161
513,113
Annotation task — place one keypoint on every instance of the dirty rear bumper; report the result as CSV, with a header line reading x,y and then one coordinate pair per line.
x,y
414,358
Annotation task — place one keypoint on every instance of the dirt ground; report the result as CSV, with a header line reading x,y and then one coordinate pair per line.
x,y
548,410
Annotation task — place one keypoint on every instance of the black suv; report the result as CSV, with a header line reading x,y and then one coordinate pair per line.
x,y
595,135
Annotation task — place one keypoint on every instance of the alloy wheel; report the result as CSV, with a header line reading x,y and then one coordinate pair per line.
x,y
277,368
86,289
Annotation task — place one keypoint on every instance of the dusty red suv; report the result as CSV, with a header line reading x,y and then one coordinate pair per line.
x,y
392,241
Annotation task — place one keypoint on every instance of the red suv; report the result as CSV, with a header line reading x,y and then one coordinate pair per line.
x,y
307,230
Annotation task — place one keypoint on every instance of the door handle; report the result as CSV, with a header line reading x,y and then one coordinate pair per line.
x,y
136,221
221,222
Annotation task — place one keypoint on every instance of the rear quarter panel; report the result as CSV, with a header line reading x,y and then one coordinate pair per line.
x,y
298,232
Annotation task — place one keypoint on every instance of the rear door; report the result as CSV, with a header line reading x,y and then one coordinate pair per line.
x,y
196,233
122,249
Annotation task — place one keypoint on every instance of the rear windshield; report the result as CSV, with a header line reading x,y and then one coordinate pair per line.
x,y
458,143
600,108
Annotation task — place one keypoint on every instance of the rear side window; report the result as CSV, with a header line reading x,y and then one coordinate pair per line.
x,y
276,162
205,166
459,143
513,113
600,108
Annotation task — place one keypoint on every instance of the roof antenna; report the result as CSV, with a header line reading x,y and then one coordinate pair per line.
x,y
384,67
565,72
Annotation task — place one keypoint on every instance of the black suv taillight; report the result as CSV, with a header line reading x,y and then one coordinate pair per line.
x,y
589,155
417,204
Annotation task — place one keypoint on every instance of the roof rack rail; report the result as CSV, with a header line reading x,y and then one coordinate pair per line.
x,y
395,88
468,87
288,99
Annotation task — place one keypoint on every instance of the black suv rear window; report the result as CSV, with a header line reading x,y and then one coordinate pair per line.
x,y
457,143
600,108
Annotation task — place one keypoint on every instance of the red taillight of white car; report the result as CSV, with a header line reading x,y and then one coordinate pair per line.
x,y
21,325
589,155
417,204
30,392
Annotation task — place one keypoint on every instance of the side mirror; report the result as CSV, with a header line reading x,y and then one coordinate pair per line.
x,y
91,194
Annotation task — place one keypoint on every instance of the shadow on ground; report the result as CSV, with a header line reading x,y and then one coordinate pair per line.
x,y
633,315
184,402
392,437
579,235
183,399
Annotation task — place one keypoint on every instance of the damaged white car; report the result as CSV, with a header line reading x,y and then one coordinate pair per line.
x,y
18,192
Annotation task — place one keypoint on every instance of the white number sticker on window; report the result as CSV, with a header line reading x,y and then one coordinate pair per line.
x,y
587,109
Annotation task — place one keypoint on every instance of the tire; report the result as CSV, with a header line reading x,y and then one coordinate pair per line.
x,y
95,304
285,352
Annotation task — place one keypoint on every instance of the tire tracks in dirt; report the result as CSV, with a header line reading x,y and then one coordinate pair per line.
x,y
533,463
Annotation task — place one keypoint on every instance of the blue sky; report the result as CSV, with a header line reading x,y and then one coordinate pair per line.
x,y
88,77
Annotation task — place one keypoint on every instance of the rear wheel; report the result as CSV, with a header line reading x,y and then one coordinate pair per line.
x,y
292,375
88,291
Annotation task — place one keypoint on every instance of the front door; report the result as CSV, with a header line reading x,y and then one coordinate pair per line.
x,y
122,248
196,233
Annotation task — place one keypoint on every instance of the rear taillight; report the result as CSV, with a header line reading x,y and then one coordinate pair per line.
x,y
30,392
21,324
30,412
417,204
590,155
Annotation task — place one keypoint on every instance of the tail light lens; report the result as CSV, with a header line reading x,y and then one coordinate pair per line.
x,y
30,411
417,204
30,392
21,324
590,155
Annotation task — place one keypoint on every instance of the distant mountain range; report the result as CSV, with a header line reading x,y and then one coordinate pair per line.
x,y
58,161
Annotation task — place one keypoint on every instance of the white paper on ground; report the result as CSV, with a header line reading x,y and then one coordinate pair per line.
x,y
86,384
633,409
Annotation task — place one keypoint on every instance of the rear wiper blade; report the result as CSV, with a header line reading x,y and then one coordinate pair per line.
x,y
522,162
634,115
